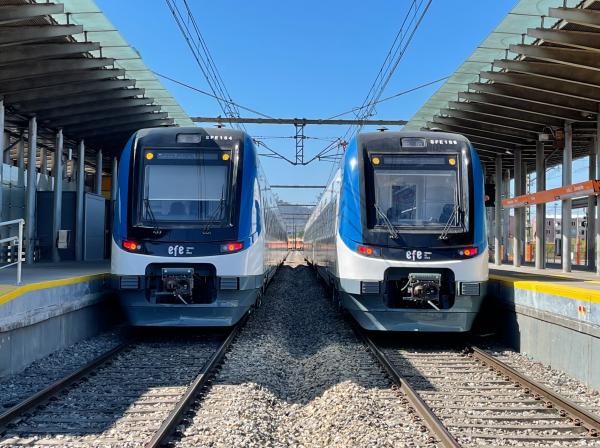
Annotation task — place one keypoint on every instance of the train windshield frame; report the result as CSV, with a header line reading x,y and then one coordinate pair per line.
x,y
419,191
185,187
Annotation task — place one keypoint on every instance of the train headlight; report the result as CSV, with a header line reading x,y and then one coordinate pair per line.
x,y
468,252
369,251
231,247
132,246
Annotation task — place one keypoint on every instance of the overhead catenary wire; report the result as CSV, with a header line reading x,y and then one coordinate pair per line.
x,y
204,59
392,59
389,98
213,96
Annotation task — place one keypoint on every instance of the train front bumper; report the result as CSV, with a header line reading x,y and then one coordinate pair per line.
x,y
225,311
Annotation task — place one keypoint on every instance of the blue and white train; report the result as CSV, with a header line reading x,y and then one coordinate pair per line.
x,y
399,235
197,233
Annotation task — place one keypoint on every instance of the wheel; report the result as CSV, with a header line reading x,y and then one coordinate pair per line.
x,y
338,304
258,301
336,300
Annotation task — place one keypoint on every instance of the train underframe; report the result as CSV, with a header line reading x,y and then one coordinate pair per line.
x,y
188,295
410,299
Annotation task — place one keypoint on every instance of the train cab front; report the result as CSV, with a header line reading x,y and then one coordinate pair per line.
x,y
184,245
421,261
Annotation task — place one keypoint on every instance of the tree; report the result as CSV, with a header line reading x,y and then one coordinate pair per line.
x,y
301,234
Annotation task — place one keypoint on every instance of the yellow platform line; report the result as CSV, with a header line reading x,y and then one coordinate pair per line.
x,y
570,292
7,292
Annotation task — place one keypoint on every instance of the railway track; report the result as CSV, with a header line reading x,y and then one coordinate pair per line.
x,y
134,395
469,398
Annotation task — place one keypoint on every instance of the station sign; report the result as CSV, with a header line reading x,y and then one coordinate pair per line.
x,y
587,188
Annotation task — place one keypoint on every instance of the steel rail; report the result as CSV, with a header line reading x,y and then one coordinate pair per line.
x,y
565,407
445,439
163,434
44,395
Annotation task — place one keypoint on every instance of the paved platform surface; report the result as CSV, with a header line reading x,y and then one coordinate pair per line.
x,y
47,275
572,285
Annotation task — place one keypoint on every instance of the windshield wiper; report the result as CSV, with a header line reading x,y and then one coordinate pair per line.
x,y
216,214
387,222
444,235
153,221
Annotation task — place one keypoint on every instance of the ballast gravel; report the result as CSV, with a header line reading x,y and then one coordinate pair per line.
x,y
298,376
46,371
556,380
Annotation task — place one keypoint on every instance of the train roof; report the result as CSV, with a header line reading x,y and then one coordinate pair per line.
x,y
372,136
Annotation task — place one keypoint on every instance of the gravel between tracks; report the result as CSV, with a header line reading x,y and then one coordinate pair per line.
x,y
554,379
298,376
46,371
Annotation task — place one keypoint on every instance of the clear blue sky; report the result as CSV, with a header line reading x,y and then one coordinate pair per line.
x,y
312,59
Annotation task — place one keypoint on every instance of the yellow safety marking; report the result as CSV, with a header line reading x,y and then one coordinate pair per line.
x,y
570,292
592,281
7,293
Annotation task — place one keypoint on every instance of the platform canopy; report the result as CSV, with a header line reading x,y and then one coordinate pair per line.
x,y
539,68
66,64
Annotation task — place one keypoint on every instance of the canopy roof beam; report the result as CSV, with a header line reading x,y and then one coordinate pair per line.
x,y
546,84
67,90
121,128
54,80
491,128
504,112
113,121
27,70
18,13
576,39
27,34
552,71
575,15
76,119
493,120
540,97
520,105
39,106
54,117
26,53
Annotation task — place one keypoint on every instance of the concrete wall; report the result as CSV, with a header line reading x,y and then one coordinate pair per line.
x,y
565,340
39,322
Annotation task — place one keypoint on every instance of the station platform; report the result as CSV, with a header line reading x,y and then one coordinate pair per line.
x,y
550,315
57,304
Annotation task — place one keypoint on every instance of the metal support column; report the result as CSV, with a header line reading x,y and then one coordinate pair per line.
x,y
114,173
6,157
567,179
43,160
30,204
3,144
58,175
99,172
21,150
590,230
517,217
506,217
79,203
524,214
540,209
597,141
498,212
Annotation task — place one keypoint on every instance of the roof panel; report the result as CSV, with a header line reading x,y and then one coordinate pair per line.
x,y
100,29
526,14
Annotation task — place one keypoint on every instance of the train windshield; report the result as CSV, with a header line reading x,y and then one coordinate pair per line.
x,y
417,190
186,186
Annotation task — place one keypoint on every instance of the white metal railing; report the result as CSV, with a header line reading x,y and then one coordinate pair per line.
x,y
19,240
